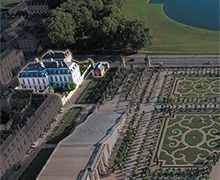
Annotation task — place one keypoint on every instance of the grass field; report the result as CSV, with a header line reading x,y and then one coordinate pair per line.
x,y
36,165
65,127
188,139
170,36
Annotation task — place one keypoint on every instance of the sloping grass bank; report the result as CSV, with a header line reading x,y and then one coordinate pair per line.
x,y
170,36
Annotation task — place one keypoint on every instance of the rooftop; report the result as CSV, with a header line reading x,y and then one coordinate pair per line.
x,y
72,155
24,103
47,67
6,52
57,55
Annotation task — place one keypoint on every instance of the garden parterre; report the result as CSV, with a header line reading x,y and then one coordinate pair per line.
x,y
187,139
197,87
178,133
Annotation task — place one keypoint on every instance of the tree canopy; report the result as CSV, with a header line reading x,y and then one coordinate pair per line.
x,y
93,25
59,29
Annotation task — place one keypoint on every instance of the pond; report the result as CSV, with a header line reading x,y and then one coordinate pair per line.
x,y
198,13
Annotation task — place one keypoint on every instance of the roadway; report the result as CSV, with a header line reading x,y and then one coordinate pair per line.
x,y
177,60
169,60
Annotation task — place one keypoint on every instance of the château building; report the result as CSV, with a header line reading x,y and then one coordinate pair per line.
x,y
55,68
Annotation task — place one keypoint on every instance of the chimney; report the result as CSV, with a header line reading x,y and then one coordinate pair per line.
x,y
36,60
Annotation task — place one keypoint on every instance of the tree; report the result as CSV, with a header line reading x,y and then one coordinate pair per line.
x,y
95,6
71,86
135,35
93,25
118,3
59,28
82,12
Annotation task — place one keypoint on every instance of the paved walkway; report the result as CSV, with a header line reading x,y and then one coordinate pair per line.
x,y
215,175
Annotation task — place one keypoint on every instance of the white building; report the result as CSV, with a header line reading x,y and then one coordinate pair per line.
x,y
55,68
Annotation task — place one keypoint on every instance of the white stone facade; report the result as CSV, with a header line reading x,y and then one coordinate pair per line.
x,y
54,69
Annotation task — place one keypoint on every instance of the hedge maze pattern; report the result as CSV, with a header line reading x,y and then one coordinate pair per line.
x,y
188,139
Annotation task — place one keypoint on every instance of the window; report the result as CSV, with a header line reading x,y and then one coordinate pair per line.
x,y
44,81
64,78
56,78
28,81
23,81
61,78
33,80
38,81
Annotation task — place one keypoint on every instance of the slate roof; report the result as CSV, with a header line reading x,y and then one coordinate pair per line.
x,y
44,68
54,55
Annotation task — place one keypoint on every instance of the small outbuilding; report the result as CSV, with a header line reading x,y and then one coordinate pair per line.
x,y
100,68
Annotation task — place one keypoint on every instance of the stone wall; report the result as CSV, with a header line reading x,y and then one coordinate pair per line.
x,y
99,163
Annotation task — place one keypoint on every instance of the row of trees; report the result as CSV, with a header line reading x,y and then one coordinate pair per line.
x,y
93,25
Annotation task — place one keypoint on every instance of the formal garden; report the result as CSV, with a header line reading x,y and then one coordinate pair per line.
x,y
96,88
188,139
168,135
197,87
106,87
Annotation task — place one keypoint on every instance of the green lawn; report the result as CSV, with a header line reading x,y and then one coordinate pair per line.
x,y
36,165
96,88
86,97
63,130
170,36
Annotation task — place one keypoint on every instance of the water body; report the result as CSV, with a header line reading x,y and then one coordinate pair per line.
x,y
198,13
